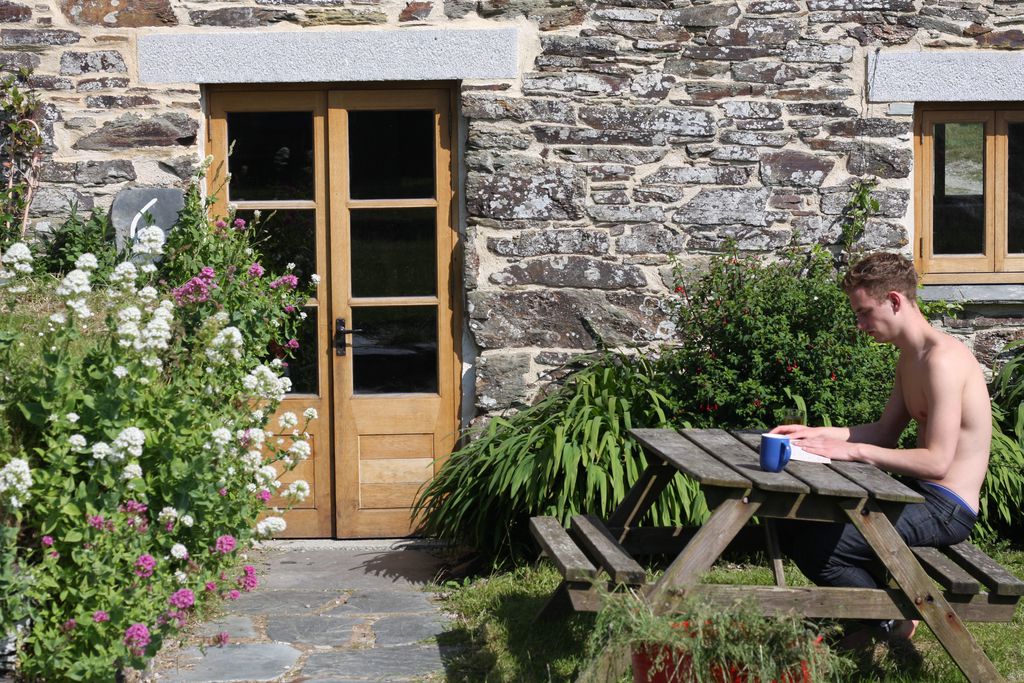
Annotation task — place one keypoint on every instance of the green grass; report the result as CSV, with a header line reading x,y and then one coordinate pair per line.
x,y
496,640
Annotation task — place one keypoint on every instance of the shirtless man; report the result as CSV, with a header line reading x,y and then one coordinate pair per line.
x,y
940,385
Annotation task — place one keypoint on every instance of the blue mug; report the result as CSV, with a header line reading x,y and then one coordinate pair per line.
x,y
775,452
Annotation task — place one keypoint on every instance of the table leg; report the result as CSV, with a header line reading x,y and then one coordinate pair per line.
x,y
704,548
926,597
771,538
642,495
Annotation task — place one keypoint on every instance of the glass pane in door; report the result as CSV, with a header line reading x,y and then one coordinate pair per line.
x,y
393,252
391,154
284,237
272,155
1015,188
301,367
395,350
958,201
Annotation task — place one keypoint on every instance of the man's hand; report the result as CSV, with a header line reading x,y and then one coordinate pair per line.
x,y
830,448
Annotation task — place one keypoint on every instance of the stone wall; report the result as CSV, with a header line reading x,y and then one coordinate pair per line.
x,y
639,131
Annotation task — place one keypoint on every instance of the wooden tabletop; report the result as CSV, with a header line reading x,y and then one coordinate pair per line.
x,y
728,459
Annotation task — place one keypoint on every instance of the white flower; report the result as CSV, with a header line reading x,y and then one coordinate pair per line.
x,y
315,279
129,442
132,471
74,283
251,438
264,383
227,345
72,417
58,318
19,257
252,460
124,275
100,450
186,520
148,294
310,414
120,371
86,262
15,482
300,449
167,514
79,308
290,266
148,268
149,241
221,436
270,526
77,441
298,490
181,577
288,420
179,552
266,475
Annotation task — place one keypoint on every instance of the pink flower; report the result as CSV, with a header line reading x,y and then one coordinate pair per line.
x,y
221,639
223,491
96,521
211,586
182,599
170,526
289,309
145,565
54,554
264,495
220,224
133,506
100,616
289,280
249,582
68,625
224,544
256,270
136,637
207,273
239,224
47,541
292,344
233,594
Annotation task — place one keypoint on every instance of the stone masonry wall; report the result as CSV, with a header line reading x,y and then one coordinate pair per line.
x,y
640,131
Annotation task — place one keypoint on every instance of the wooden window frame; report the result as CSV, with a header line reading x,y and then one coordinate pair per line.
x,y
995,265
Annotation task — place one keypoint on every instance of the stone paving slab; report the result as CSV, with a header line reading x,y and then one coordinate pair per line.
x,y
376,664
408,629
313,630
237,626
286,602
242,662
410,569
384,602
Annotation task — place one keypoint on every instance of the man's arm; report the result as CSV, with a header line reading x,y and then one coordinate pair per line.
x,y
943,386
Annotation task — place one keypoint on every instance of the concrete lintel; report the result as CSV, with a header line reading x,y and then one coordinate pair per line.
x,y
945,76
327,56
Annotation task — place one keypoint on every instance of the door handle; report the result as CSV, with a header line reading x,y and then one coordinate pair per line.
x,y
340,332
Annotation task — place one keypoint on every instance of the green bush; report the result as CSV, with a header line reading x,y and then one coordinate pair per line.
x,y
1002,494
753,333
76,236
134,462
567,454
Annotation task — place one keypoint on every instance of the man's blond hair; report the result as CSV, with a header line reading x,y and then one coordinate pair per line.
x,y
881,273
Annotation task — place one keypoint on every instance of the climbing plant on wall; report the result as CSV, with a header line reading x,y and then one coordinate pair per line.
x,y
21,146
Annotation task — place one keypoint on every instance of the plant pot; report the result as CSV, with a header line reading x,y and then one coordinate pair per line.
x,y
663,664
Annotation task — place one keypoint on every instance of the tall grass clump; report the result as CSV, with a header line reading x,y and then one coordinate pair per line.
x,y
569,453
1003,492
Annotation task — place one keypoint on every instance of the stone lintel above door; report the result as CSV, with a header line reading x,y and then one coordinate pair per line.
x,y
322,56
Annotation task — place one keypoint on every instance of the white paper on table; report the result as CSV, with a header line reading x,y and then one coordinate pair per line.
x,y
800,454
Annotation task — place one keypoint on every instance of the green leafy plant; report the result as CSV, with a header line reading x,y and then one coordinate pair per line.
x,y
754,333
21,143
1002,494
701,641
566,454
76,236
858,210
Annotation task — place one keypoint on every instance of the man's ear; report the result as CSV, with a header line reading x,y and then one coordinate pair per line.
x,y
895,300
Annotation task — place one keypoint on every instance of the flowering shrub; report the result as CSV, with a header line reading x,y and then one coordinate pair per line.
x,y
134,465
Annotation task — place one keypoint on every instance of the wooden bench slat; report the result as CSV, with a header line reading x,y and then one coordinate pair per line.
x,y
561,549
995,577
688,458
821,479
600,545
725,447
878,484
948,573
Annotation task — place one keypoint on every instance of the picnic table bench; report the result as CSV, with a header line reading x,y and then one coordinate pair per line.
x,y
941,586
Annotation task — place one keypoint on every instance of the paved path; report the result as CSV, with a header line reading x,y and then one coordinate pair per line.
x,y
325,611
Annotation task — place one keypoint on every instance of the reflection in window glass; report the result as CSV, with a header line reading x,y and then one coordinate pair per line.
x,y
272,157
396,350
958,202
301,362
391,154
1015,188
283,237
393,252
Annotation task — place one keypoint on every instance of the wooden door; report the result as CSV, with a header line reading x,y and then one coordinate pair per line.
x,y
361,185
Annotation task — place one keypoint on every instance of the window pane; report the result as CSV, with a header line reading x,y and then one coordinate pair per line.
x,y
396,351
1015,188
391,154
958,203
393,252
285,237
272,157
301,367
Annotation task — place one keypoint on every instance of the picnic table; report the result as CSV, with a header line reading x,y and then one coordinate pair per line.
x,y
725,464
